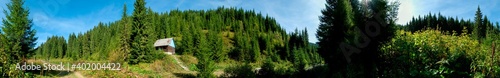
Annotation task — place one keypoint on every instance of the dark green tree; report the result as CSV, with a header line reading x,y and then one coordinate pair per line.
x,y
71,51
139,47
18,38
478,29
124,39
337,18
206,65
18,30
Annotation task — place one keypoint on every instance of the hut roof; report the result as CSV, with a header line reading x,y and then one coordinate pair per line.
x,y
164,42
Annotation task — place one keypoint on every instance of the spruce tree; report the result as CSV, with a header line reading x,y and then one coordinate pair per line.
x,y
205,56
140,48
124,39
18,30
478,34
334,23
18,38
71,49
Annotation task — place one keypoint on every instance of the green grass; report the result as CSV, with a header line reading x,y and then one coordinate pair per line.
x,y
165,67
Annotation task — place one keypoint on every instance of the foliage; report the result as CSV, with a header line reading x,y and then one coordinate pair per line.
x,y
239,71
189,60
435,21
232,34
140,50
432,53
277,70
18,38
227,33
350,34
54,47
206,65
479,28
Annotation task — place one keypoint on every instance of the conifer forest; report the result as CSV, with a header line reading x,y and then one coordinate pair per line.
x,y
355,39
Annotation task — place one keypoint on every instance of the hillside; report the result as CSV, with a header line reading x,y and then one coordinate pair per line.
x,y
225,33
356,39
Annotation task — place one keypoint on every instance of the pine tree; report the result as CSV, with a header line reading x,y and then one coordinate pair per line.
x,y
336,19
140,48
217,47
478,33
124,39
255,51
18,38
85,44
205,56
18,30
487,27
497,29
71,49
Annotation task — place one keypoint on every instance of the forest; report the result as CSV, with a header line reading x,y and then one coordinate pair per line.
x,y
355,39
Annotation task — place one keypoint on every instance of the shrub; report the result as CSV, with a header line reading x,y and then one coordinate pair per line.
x,y
239,71
277,69
431,53
116,56
188,59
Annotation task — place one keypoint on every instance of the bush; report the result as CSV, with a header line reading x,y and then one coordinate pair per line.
x,y
428,53
239,71
277,69
188,59
431,53
116,56
158,54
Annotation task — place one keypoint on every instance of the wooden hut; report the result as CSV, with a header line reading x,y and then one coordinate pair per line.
x,y
167,45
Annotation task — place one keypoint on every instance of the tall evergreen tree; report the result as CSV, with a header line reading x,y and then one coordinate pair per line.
x,y
488,27
125,32
478,29
337,18
71,49
18,40
140,48
348,33
205,56
18,30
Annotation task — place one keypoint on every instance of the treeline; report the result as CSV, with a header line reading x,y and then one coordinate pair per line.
x,y
480,27
447,24
55,50
215,35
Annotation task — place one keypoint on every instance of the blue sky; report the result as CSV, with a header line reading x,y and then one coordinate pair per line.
x,y
465,9
62,17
